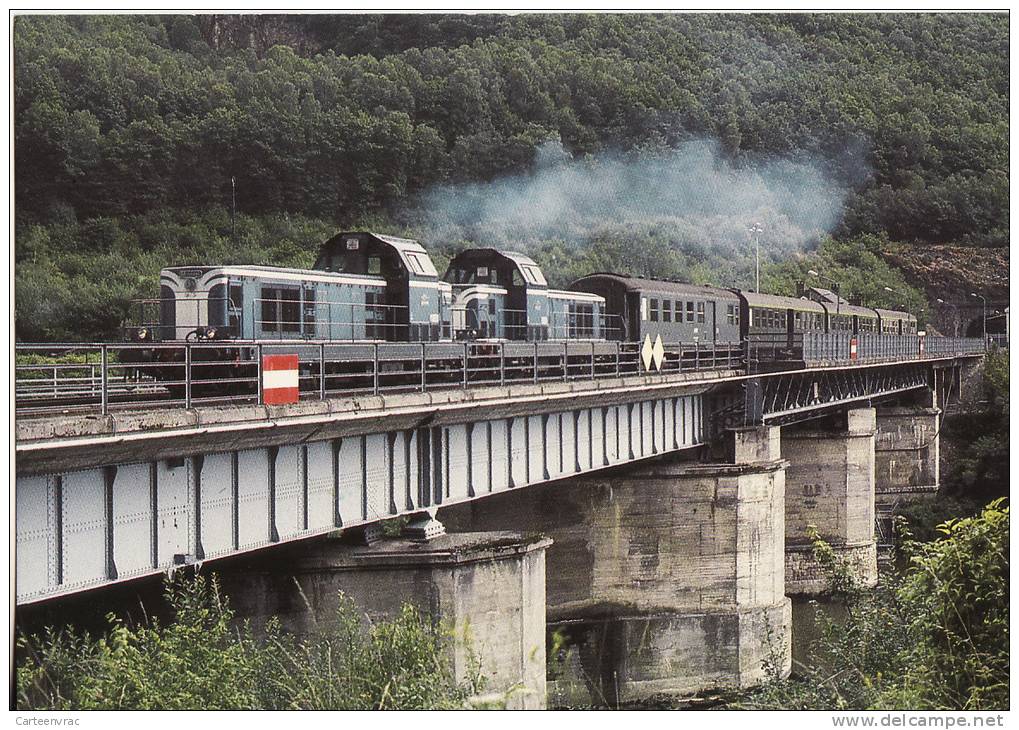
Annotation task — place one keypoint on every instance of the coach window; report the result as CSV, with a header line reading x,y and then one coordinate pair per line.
x,y
666,310
700,311
654,310
689,311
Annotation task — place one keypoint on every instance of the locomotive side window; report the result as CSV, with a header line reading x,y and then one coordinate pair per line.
x,y
374,265
281,309
415,263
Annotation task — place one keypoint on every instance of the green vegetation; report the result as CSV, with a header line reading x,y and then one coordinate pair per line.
x,y
979,465
935,638
203,660
131,131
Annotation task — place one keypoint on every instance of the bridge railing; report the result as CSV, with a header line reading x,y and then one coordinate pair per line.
x,y
952,345
825,348
102,378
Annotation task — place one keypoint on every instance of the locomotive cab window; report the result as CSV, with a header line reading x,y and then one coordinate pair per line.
x,y
281,309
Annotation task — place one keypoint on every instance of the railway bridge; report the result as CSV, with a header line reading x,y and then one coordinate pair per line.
x,y
654,515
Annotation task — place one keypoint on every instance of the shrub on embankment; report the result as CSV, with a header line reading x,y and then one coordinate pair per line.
x,y
202,660
934,638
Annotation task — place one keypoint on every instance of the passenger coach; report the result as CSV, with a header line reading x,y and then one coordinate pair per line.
x,y
678,312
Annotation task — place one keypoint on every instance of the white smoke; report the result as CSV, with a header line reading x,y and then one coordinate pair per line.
x,y
692,197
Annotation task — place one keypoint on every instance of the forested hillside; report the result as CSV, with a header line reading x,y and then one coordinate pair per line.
x,y
638,142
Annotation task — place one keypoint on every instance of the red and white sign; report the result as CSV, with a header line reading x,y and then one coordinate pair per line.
x,y
852,348
279,379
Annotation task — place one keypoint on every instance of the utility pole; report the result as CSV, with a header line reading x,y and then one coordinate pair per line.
x,y
233,208
756,231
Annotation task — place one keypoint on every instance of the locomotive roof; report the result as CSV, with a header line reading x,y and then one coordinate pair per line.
x,y
676,288
518,259
402,246
274,272
775,300
894,314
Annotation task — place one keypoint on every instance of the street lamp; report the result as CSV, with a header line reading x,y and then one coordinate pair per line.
x,y
984,300
955,320
756,231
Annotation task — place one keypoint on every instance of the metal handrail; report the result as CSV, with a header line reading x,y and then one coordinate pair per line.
x,y
104,377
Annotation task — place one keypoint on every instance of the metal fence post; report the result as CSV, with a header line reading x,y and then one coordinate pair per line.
x,y
321,371
258,366
104,378
535,361
502,363
592,359
566,362
423,384
375,369
187,375
466,353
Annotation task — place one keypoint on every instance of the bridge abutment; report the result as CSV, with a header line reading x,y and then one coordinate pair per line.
x,y
485,591
830,486
663,579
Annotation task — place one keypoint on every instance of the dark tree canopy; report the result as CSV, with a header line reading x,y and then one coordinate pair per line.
x,y
350,118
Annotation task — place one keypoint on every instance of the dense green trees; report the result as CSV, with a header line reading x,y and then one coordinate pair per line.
x,y
934,638
332,116
358,117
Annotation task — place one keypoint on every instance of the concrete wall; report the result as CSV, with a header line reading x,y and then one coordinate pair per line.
x,y
666,579
486,590
907,454
830,486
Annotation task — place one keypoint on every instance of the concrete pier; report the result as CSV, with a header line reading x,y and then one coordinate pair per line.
x,y
663,579
485,590
907,452
830,485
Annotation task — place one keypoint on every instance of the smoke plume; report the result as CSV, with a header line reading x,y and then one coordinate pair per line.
x,y
692,199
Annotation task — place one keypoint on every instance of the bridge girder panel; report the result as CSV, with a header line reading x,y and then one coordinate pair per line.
x,y
84,528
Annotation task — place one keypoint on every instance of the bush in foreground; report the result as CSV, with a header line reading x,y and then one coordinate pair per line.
x,y
936,638
202,660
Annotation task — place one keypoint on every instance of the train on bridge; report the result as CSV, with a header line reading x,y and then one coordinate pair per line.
x,y
367,287
373,314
